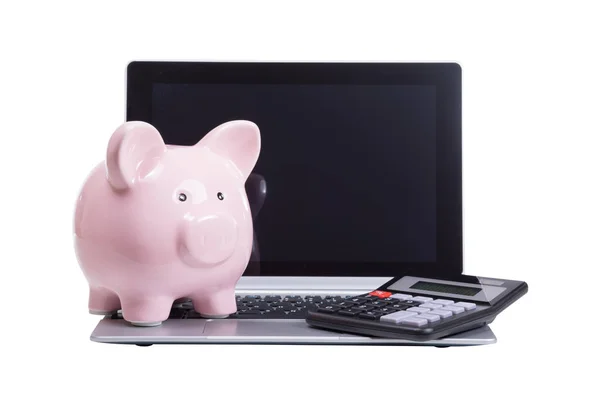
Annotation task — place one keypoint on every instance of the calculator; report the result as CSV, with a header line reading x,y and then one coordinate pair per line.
x,y
420,309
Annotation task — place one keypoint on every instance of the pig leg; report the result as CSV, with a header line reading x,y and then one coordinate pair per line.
x,y
216,304
146,311
103,301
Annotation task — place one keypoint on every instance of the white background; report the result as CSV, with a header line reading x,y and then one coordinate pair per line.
x,y
531,178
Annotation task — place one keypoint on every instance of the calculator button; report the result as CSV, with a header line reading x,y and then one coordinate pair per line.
x,y
328,309
389,300
399,307
369,315
414,321
401,296
386,310
441,312
410,303
432,305
362,308
430,317
380,293
422,299
396,317
349,313
454,309
377,303
418,309
466,306
443,302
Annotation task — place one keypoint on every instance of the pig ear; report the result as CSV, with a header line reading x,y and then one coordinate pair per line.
x,y
238,141
133,152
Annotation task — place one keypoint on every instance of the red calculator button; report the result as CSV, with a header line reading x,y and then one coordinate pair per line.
x,y
381,294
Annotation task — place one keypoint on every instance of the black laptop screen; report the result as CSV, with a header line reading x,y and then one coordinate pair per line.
x,y
350,170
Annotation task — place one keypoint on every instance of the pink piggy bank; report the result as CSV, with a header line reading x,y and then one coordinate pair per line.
x,y
157,222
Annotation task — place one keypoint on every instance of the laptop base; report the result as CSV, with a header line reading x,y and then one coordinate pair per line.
x,y
259,331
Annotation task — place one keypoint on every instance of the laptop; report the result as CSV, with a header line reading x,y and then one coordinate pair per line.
x,y
358,181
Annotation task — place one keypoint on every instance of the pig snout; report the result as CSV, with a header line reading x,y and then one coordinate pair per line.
x,y
209,240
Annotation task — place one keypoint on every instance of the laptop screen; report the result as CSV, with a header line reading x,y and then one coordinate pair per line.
x,y
347,175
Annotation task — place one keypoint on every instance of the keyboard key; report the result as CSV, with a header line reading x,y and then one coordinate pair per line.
x,y
414,321
466,306
333,298
369,315
386,310
263,305
401,296
272,298
441,312
349,313
430,317
454,309
376,303
418,309
292,299
177,313
251,297
314,299
396,317
251,311
422,299
443,302
357,300
189,305
346,304
432,305
399,307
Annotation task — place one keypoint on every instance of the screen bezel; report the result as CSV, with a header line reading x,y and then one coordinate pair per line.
x,y
446,77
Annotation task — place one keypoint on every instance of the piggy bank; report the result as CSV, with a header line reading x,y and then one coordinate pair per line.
x,y
156,223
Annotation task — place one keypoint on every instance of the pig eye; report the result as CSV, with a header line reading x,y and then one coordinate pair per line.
x,y
220,196
182,197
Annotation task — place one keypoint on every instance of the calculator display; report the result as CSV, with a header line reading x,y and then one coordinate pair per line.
x,y
444,288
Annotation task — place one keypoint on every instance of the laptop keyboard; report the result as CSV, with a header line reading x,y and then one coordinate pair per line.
x,y
264,307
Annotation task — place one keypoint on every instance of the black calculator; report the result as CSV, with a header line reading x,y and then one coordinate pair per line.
x,y
416,308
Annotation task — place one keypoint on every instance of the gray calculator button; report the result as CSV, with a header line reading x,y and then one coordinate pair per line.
x,y
418,309
441,312
401,296
466,306
414,321
396,317
422,299
454,309
430,317
432,305
443,302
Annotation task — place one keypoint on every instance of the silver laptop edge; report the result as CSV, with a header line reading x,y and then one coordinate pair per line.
x,y
265,331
